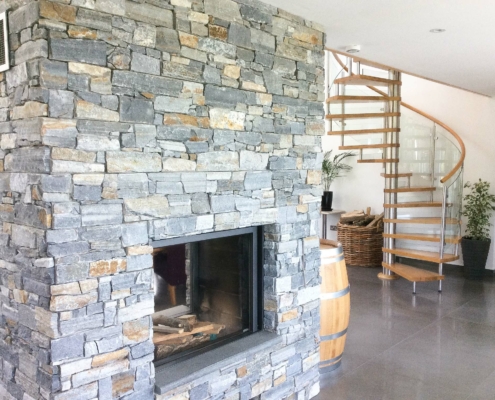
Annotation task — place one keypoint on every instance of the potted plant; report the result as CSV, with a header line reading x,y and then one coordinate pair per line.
x,y
475,244
332,168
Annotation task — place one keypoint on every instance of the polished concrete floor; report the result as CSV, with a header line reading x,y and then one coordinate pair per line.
x,y
423,347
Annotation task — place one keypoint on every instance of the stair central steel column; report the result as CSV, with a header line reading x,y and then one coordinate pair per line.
x,y
391,171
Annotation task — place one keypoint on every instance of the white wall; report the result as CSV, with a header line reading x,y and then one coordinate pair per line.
x,y
472,116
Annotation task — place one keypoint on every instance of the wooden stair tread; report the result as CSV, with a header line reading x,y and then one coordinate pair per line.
x,y
362,115
366,80
379,160
361,99
422,255
426,220
402,175
410,189
414,204
423,237
363,131
369,146
413,274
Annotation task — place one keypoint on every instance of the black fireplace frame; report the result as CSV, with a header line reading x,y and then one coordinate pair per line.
x,y
255,285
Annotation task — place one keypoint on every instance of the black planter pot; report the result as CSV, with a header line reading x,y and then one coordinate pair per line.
x,y
326,201
475,254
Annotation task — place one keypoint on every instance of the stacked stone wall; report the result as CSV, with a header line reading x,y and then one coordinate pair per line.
x,y
126,122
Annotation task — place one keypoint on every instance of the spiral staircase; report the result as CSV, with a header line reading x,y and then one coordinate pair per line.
x,y
422,164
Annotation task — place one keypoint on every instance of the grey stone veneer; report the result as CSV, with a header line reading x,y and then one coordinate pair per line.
x,y
125,122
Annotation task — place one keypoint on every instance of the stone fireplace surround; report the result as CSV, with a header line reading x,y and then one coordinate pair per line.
x,y
123,123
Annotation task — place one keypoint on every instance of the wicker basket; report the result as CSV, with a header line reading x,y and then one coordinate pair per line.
x,y
362,245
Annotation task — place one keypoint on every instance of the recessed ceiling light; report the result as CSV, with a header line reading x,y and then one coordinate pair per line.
x,y
437,30
353,49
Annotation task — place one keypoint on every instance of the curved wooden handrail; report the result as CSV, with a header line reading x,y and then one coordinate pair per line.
x,y
459,164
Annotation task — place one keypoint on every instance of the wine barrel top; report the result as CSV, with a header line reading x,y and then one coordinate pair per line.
x,y
330,248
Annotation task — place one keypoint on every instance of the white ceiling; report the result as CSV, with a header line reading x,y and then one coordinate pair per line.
x,y
397,33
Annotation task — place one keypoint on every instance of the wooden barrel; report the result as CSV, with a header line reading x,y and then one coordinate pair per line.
x,y
335,305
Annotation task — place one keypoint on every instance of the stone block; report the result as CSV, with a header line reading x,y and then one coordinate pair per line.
x,y
133,234
72,302
61,104
87,193
16,76
87,110
178,164
137,111
218,161
223,96
59,183
61,236
139,262
132,185
223,203
258,180
240,35
147,83
167,40
31,50
23,17
67,347
174,226
172,104
114,7
66,249
256,14
217,47
101,214
85,51
133,162
35,160
107,267
149,14
226,119
200,203
58,12
153,206
145,35
183,72
73,155
30,109
250,160
145,64
94,19
226,10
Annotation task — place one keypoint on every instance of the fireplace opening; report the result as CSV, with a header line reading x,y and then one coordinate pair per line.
x,y
207,291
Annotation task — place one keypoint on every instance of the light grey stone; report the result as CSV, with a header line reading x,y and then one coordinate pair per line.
x,y
142,349
34,160
31,50
256,14
224,96
240,35
23,17
115,7
101,214
134,234
250,160
109,101
169,188
258,180
147,83
273,82
145,64
172,104
86,51
218,161
284,66
97,143
66,249
192,72
68,347
133,162
16,76
223,203
94,19
139,262
87,193
59,183
277,163
212,75
263,125
145,35
102,233
200,203
227,10
136,110
167,40
174,226
150,14
132,185
61,104
262,41
210,45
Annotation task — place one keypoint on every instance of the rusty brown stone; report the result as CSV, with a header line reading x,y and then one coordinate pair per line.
x,y
218,32
289,315
58,12
241,372
186,120
136,331
122,383
107,267
79,32
102,359
188,40
67,302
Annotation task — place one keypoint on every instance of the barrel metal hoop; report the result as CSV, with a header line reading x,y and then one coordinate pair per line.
x,y
335,295
330,368
333,336
333,260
